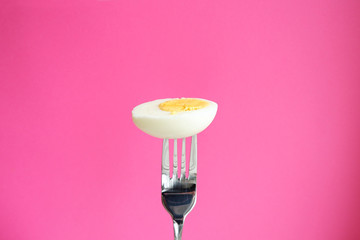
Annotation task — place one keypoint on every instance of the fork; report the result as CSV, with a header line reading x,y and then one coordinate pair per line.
x,y
178,193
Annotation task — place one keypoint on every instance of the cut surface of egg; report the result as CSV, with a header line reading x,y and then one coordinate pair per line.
x,y
173,118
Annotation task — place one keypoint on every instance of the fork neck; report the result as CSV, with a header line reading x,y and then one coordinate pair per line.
x,y
178,227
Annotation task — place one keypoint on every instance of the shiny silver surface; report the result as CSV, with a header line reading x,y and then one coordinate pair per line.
x,y
178,193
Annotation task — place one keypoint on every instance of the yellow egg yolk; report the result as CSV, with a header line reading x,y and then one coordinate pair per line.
x,y
182,105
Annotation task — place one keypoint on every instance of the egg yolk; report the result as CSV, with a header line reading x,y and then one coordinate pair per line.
x,y
182,105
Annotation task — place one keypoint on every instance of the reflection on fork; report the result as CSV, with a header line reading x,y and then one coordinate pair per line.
x,y
179,193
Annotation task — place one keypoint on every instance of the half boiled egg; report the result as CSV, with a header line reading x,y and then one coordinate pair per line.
x,y
173,118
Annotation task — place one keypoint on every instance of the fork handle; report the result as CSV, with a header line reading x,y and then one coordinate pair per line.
x,y
178,227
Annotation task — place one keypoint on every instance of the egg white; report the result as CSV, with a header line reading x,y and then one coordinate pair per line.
x,y
149,118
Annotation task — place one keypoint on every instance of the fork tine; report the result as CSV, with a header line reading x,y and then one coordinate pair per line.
x,y
193,157
175,162
165,169
183,159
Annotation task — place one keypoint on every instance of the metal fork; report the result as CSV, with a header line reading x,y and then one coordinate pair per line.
x,y
178,194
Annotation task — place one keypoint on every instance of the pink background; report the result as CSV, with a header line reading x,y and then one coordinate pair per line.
x,y
281,160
